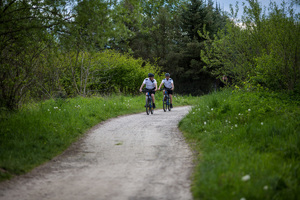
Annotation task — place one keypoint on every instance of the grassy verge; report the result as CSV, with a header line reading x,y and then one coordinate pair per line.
x,y
247,145
41,131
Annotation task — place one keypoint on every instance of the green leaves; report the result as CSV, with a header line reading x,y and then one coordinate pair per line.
x,y
259,48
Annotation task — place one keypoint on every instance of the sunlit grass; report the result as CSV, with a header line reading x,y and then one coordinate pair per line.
x,y
248,146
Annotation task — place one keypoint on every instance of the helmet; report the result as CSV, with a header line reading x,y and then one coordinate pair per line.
x,y
167,74
150,75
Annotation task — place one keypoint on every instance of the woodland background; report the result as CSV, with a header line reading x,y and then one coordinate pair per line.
x,y
66,48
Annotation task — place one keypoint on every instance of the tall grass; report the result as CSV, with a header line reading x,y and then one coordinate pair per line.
x,y
38,132
247,144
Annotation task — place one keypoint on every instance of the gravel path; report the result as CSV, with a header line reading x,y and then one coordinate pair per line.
x,y
133,157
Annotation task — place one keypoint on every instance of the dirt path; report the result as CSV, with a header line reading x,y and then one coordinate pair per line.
x,y
135,157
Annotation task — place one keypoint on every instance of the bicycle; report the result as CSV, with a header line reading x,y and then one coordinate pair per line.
x,y
149,103
166,101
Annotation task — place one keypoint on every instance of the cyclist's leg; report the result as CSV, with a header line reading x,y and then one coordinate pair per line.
x,y
146,100
153,100
153,97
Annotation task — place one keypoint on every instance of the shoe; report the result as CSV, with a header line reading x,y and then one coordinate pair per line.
x,y
154,105
171,106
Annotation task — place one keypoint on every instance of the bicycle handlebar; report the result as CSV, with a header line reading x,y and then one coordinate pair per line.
x,y
147,90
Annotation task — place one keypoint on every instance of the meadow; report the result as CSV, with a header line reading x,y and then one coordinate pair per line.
x,y
246,145
40,131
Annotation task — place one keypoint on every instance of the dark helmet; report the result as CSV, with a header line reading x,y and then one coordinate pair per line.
x,y
167,74
150,75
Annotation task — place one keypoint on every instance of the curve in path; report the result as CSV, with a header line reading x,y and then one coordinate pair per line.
x,y
134,157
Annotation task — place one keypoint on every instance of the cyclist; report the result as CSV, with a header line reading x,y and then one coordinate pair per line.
x,y
169,86
151,85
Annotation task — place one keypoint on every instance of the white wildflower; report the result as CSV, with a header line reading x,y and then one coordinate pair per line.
x,y
212,109
48,109
226,120
236,125
229,122
55,107
262,123
193,113
204,123
243,198
249,109
266,187
239,113
246,177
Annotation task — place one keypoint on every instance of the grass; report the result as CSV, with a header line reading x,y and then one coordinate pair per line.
x,y
247,146
39,132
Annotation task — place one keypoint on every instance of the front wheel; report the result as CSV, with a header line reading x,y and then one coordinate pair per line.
x,y
147,107
151,105
165,104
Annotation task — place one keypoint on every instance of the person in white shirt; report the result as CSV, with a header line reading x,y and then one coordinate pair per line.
x,y
151,85
169,86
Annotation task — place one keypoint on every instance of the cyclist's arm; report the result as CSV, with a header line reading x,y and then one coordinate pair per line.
x,y
172,86
141,87
160,86
155,86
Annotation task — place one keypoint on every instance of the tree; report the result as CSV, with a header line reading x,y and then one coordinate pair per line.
x,y
263,52
25,32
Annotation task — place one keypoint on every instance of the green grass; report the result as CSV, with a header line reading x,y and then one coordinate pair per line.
x,y
235,134
39,132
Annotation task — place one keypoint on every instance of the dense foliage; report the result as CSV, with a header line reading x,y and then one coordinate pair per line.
x,y
258,50
247,145
51,48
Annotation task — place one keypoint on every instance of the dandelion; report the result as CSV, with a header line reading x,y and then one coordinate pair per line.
x,y
212,109
204,123
236,125
249,109
266,187
246,177
262,123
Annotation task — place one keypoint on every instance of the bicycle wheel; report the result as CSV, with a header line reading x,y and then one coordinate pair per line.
x,y
147,107
164,104
169,108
